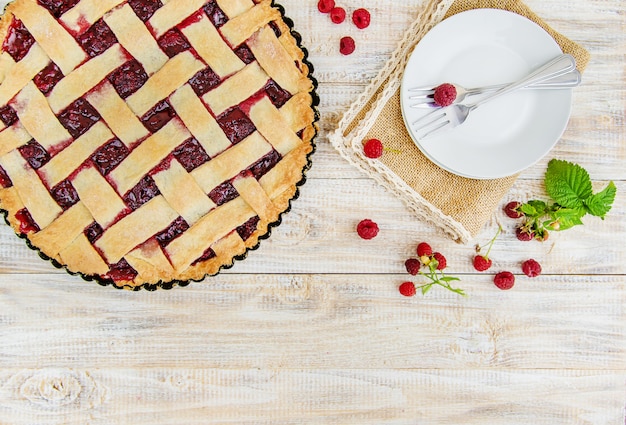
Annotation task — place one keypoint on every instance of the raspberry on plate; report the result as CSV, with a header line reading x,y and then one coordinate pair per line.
x,y
445,94
504,280
531,268
367,229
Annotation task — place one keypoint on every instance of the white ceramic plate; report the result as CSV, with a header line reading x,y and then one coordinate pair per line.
x,y
484,47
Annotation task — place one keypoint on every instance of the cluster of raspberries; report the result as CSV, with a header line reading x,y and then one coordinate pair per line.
x,y
368,229
505,280
425,256
360,17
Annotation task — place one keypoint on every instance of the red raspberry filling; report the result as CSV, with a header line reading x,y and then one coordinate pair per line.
x,y
445,94
27,224
5,180
346,45
361,18
121,271
47,78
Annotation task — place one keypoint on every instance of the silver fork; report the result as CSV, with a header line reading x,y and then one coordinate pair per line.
x,y
424,96
455,115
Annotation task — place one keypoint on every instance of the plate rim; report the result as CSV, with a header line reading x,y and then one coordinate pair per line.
x,y
490,12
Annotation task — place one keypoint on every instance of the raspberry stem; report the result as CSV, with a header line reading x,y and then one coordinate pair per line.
x,y
437,277
490,243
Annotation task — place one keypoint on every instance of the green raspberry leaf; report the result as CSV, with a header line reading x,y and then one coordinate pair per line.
x,y
449,279
566,218
459,291
600,203
567,183
534,208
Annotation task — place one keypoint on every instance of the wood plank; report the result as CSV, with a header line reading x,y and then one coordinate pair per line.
x,y
311,328
316,321
328,210
296,396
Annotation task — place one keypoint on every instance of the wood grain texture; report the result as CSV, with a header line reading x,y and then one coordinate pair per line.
x,y
309,396
317,321
310,328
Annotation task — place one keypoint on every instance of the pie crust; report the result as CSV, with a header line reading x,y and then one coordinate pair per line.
x,y
149,143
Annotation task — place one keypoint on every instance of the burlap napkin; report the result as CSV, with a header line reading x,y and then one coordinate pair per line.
x,y
458,206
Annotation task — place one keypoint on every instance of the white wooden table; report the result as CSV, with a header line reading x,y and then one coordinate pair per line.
x,y
311,329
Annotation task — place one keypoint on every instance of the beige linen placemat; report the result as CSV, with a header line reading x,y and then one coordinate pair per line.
x,y
458,206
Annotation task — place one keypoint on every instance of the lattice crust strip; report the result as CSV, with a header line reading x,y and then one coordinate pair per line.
x,y
145,142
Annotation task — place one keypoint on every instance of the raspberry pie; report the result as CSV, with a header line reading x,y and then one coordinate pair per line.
x,y
150,142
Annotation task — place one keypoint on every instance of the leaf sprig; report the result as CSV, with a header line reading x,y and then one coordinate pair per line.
x,y
570,187
437,277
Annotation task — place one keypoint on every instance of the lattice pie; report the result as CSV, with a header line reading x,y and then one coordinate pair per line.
x,y
150,142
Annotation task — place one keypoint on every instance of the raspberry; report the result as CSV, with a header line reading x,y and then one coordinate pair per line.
x,y
346,45
373,148
504,280
361,18
337,15
413,266
531,268
445,94
407,289
325,6
441,260
482,263
524,234
511,211
367,229
424,250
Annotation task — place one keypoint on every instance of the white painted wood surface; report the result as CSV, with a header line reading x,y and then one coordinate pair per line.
x,y
310,328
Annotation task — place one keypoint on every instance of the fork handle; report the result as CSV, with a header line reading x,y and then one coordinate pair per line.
x,y
560,65
567,80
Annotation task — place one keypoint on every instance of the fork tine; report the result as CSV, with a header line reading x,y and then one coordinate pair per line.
x,y
424,103
436,129
430,95
431,122
428,118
